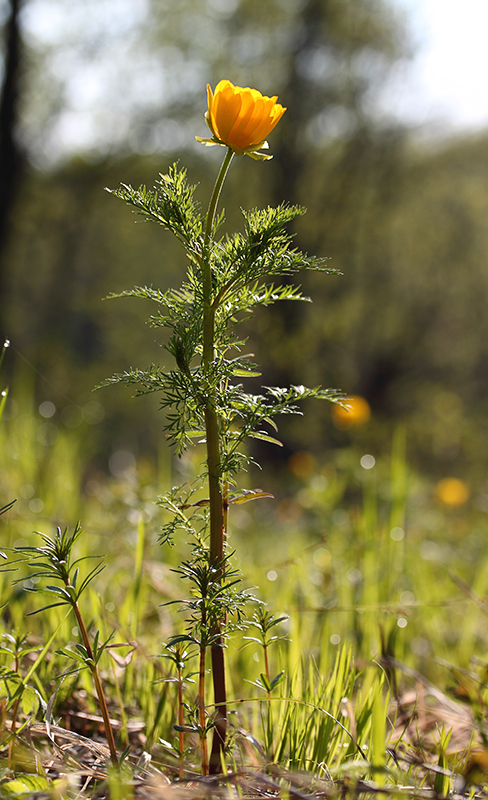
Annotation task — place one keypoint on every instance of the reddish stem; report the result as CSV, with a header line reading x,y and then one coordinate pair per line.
x,y
181,720
98,686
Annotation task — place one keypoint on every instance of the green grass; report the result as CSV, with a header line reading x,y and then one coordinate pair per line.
x,y
384,592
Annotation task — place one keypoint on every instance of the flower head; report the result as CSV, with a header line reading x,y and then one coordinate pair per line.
x,y
241,118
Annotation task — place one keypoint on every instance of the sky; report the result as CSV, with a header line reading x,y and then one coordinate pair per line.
x,y
446,82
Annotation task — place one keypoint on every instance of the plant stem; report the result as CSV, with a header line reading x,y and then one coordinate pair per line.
x,y
15,711
209,310
216,498
98,686
201,711
181,721
266,665
269,718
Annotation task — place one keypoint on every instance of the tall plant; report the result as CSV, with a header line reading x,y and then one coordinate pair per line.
x,y
227,277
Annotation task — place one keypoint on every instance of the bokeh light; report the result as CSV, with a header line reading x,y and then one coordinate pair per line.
x,y
357,413
452,492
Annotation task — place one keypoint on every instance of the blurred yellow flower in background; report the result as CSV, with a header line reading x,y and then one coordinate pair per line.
x,y
241,118
359,413
452,492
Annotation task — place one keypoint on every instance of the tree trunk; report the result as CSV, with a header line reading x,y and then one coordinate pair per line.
x,y
10,154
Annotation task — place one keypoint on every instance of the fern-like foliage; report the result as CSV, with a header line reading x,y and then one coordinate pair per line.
x,y
170,203
244,272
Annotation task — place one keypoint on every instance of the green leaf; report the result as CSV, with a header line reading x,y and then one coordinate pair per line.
x,y
7,674
277,679
3,510
246,373
3,400
25,784
199,504
265,682
182,638
265,437
45,608
30,702
80,659
246,495
276,622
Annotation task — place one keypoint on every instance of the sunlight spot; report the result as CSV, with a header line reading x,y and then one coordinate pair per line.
x,y
354,575
322,557
368,461
402,622
335,638
272,575
47,409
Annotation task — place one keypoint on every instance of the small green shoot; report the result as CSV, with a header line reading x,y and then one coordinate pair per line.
x,y
54,561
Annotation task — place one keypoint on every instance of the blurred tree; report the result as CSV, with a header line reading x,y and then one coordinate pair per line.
x,y
10,152
335,147
340,52
407,225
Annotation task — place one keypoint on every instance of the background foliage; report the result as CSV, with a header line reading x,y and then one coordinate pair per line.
x,y
119,97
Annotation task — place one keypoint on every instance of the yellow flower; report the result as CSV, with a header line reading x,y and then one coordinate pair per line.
x,y
357,413
241,118
452,492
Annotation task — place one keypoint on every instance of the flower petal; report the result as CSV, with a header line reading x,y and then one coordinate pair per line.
x,y
229,112
258,121
249,99
221,107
